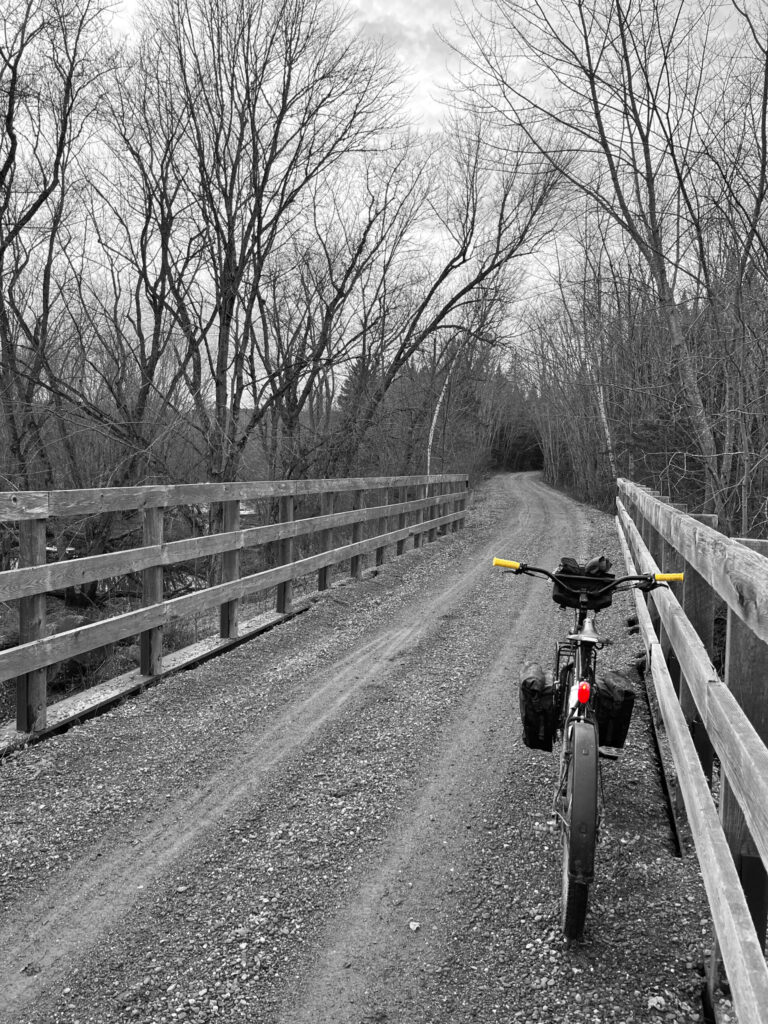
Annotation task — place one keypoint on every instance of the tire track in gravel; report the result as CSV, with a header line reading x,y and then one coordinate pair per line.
x,y
71,915
396,925
94,895
414,801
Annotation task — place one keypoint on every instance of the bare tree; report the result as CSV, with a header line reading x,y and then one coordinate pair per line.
x,y
50,66
734,141
312,323
490,206
620,86
271,96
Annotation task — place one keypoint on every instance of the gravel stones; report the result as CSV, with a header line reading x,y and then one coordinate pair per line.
x,y
339,822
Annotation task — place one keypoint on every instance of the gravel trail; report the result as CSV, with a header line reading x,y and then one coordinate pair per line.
x,y
338,823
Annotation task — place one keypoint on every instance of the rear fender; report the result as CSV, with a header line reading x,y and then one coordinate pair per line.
x,y
584,768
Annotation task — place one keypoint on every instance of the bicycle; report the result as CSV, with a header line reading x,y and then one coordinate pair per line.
x,y
576,717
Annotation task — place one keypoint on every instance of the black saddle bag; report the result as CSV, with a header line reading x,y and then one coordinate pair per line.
x,y
537,707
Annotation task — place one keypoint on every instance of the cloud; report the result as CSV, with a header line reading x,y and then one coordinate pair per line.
x,y
413,42
411,28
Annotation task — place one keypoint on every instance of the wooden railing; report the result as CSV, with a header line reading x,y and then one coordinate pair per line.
x,y
385,512
704,714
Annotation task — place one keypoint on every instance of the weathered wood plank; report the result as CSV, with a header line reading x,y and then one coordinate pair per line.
x,y
25,582
699,608
61,646
356,561
383,525
402,517
738,575
667,762
671,561
743,755
230,569
95,698
655,544
434,510
746,673
32,687
285,555
742,954
19,505
741,951
151,642
326,538
51,650
423,500
441,521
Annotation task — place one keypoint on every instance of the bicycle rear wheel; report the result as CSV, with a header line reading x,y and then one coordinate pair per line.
x,y
578,822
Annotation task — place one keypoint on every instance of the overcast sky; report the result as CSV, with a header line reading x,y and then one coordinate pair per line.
x,y
410,26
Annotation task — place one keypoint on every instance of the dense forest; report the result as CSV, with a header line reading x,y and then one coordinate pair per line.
x,y
227,251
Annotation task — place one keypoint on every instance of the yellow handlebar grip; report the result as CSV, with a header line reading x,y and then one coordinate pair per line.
x,y
506,564
669,577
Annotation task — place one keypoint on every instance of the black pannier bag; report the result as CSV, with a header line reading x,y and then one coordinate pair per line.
x,y
537,706
590,577
613,702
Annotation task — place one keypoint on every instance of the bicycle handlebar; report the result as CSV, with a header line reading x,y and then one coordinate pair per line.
x,y
506,563
646,580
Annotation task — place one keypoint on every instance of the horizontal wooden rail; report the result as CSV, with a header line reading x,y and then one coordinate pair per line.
x,y
737,574
61,646
741,950
16,583
702,712
743,754
19,505
442,498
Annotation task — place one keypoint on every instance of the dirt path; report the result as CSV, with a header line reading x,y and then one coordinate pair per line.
x,y
339,823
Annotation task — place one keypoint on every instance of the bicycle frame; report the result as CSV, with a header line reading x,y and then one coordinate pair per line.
x,y
581,647
577,803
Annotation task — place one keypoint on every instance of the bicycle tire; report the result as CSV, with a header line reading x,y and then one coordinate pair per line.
x,y
575,897
579,826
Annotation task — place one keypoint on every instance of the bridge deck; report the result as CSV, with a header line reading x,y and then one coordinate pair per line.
x,y
338,821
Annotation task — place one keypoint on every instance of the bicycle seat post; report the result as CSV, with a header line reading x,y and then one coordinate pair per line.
x,y
588,631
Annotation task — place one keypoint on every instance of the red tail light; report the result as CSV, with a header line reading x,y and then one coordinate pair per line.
x,y
584,692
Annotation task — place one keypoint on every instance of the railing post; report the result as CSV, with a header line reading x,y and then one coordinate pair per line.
x,y
383,526
285,590
230,570
432,507
402,519
699,608
326,539
441,507
645,527
421,493
151,640
32,688
746,670
356,562
653,542
670,562
456,507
